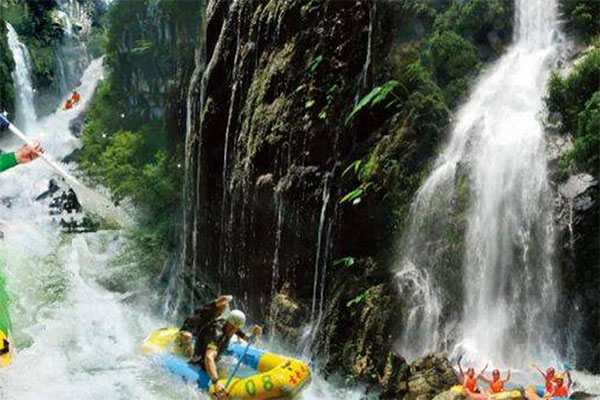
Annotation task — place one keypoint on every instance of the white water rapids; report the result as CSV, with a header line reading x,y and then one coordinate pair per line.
x,y
80,308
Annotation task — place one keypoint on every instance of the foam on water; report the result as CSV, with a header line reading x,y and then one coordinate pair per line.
x,y
75,338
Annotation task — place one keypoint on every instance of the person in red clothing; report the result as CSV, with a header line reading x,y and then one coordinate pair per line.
x,y
68,104
75,97
559,388
496,383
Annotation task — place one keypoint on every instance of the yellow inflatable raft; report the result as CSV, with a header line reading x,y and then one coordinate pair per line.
x,y
508,394
277,377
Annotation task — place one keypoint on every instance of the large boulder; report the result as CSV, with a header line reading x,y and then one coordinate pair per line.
x,y
450,395
430,376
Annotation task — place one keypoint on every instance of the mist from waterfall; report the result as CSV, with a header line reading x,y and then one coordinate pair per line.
x,y
21,75
500,304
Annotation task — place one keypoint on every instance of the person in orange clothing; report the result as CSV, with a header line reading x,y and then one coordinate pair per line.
x,y
549,377
68,105
470,381
496,383
75,97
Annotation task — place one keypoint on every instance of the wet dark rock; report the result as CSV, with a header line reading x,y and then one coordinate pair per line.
x,y
72,156
76,125
52,188
66,202
6,202
577,215
582,396
71,224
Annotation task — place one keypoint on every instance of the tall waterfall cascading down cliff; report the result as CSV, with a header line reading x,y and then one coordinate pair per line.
x,y
500,306
22,80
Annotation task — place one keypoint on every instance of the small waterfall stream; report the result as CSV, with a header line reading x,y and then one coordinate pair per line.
x,y
500,306
25,108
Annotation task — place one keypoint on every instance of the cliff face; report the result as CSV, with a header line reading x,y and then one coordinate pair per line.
x,y
266,142
150,55
311,124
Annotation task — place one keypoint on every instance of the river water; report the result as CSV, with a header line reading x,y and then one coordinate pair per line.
x,y
80,308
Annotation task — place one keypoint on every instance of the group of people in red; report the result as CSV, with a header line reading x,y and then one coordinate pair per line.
x,y
554,386
74,99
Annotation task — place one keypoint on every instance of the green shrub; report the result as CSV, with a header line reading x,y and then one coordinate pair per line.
x,y
569,95
582,16
587,138
452,56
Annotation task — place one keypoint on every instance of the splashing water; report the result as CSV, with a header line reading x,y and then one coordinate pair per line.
x,y
80,310
25,108
497,150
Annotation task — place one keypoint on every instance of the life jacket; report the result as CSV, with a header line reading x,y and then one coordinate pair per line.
x,y
550,384
68,105
561,391
497,386
75,98
470,384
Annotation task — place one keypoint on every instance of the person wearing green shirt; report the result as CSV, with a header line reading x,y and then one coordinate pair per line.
x,y
24,155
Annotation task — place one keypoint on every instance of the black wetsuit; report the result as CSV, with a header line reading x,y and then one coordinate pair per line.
x,y
212,336
209,331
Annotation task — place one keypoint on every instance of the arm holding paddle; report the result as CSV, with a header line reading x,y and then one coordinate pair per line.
x,y
483,370
210,365
29,152
24,155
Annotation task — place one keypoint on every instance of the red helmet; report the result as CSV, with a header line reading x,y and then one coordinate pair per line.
x,y
496,372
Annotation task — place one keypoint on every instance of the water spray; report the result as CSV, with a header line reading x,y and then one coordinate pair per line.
x,y
90,199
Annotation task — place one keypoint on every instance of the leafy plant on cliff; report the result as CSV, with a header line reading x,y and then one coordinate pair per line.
x,y
380,94
582,17
576,99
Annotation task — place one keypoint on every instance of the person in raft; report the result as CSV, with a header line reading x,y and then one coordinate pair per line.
x,y
469,381
496,383
75,97
68,105
548,390
549,377
24,155
559,388
212,327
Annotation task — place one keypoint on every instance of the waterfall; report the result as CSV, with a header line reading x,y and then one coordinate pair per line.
x,y
487,284
25,109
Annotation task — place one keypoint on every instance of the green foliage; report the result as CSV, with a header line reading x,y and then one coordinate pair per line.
x,y
576,99
582,16
315,63
346,262
361,298
586,146
131,158
569,95
376,96
485,23
452,56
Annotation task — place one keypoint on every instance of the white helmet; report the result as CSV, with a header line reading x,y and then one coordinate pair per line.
x,y
236,318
